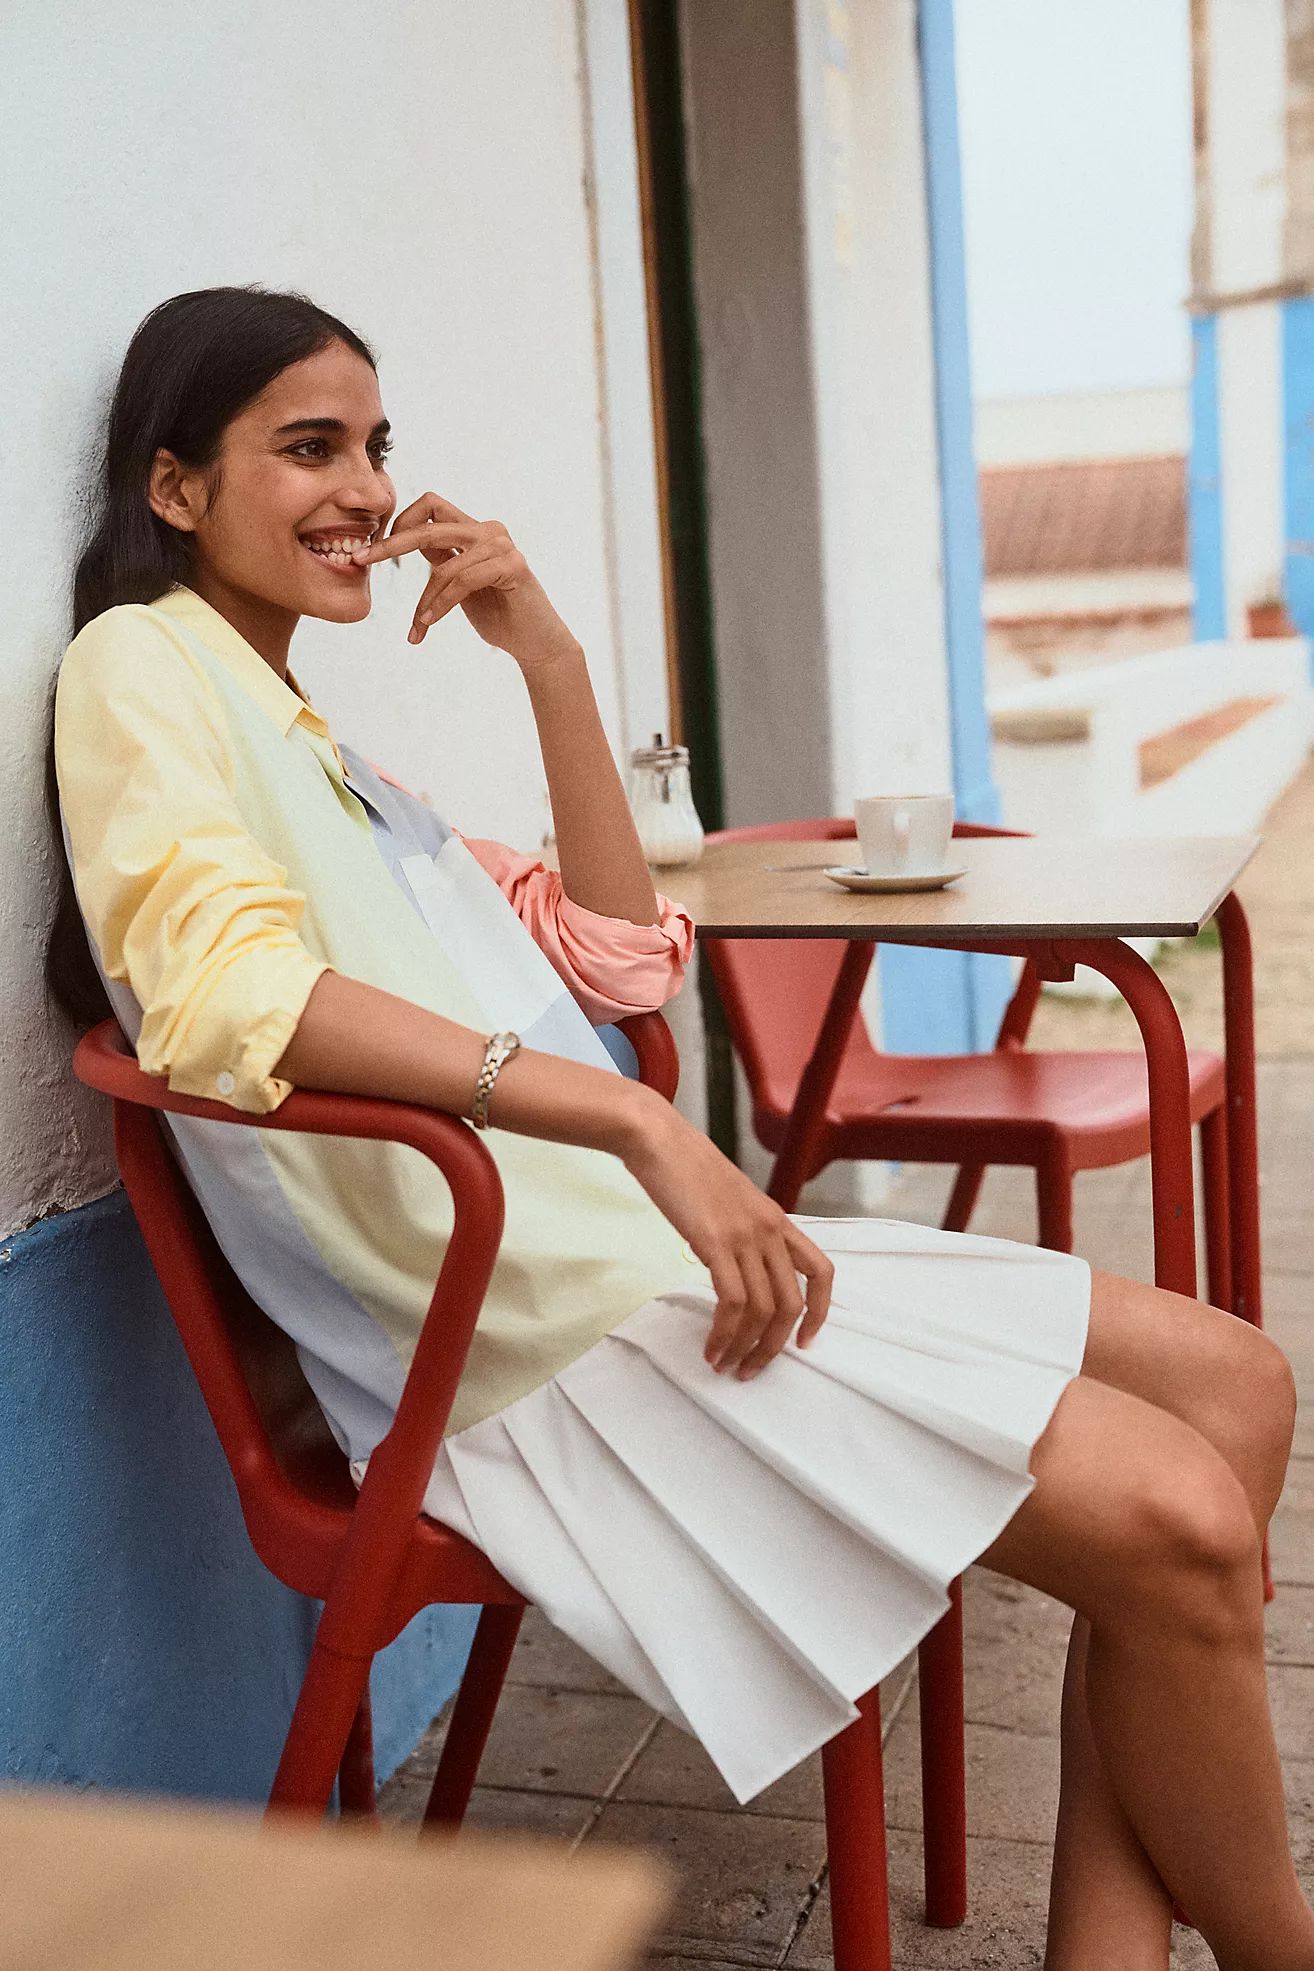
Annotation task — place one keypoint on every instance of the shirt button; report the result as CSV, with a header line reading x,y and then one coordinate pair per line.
x,y
225,1082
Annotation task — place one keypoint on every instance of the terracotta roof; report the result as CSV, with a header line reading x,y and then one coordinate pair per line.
x,y
1084,515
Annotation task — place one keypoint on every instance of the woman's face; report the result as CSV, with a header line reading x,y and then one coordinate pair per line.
x,y
304,462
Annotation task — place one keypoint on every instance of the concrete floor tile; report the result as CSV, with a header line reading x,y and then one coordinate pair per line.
x,y
545,1657
1291,1536
673,1770
1012,1782
1291,1693
1015,1645
556,1816
1289,1626
1298,1786
1008,1889
741,1877
548,1741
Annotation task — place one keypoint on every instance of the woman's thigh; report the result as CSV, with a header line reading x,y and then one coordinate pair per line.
x,y
1222,1376
1130,1506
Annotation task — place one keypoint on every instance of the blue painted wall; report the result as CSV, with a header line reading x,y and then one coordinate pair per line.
x,y
950,1002
1298,462
1204,486
142,1644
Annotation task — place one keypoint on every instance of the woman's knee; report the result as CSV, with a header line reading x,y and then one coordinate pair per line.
x,y
1256,1397
1194,1553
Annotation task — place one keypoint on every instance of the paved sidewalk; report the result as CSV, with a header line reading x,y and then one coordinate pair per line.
x,y
575,1757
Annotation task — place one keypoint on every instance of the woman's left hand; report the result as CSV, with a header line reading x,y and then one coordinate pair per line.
x,y
475,563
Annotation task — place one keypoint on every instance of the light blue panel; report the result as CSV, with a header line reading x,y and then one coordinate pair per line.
x,y
1204,486
142,1644
1298,427
950,1002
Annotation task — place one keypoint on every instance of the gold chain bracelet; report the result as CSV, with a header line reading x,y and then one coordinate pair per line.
x,y
500,1048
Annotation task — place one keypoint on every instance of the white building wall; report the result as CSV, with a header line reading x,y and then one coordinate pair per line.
x,y
1245,180
893,709
433,186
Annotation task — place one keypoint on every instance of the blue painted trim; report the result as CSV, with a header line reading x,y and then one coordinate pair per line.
x,y
142,1644
1298,460
951,1002
1205,486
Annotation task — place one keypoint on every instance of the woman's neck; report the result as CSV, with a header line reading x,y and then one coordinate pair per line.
x,y
266,626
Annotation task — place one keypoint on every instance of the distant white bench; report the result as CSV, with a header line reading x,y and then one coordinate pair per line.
x,y
1196,741
1200,740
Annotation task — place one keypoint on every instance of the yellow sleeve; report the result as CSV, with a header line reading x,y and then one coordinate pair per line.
x,y
181,900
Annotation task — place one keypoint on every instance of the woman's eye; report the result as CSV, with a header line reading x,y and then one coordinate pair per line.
x,y
316,447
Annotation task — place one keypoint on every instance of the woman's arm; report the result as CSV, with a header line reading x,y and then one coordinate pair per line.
x,y
354,1039
598,852
477,565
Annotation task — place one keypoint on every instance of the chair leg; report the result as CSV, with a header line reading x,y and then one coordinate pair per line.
x,y
1217,1215
326,1712
944,1769
1054,1204
963,1197
855,1842
472,1715
356,1772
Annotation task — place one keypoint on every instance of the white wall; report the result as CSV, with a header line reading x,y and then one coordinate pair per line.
x,y
1244,178
433,186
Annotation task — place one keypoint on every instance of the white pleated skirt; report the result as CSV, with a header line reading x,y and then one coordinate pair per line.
x,y
750,1557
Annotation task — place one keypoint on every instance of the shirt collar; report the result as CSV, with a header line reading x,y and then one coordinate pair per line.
x,y
285,703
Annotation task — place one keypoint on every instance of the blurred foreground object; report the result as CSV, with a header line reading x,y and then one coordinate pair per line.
x,y
112,1885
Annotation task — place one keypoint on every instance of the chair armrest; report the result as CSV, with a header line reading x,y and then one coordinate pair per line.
x,y
655,1050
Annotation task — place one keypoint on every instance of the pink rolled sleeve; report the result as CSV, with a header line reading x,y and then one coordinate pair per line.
x,y
612,967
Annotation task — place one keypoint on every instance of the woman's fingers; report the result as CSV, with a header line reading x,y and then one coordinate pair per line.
x,y
786,1305
731,1301
450,584
429,506
452,536
819,1272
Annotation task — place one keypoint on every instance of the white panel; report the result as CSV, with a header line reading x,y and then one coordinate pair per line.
x,y
1247,141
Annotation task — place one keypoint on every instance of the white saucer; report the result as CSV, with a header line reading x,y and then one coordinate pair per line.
x,y
863,880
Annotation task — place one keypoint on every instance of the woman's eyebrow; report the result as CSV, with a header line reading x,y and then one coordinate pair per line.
x,y
332,425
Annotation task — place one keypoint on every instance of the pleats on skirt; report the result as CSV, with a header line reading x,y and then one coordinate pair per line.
x,y
750,1557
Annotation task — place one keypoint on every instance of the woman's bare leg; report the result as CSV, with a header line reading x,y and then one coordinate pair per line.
x,y
1140,1525
1235,1388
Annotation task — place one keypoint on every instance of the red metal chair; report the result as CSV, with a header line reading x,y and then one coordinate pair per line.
x,y
370,1556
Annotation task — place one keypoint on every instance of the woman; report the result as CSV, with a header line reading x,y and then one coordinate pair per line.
x,y
694,1428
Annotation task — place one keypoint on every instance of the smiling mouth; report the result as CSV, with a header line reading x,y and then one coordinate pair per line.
x,y
335,552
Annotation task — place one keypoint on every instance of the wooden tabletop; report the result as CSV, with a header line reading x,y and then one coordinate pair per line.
x,y
1015,888
92,1884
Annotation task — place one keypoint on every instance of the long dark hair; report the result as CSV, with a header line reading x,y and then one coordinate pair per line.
x,y
191,367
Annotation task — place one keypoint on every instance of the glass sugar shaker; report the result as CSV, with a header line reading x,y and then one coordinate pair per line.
x,y
661,800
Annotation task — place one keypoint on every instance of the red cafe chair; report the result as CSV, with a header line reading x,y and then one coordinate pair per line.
x,y
1056,1112
370,1556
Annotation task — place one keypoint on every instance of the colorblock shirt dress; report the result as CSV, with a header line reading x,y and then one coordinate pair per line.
x,y
750,1558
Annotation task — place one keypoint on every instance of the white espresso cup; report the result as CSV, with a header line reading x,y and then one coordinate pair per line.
x,y
905,834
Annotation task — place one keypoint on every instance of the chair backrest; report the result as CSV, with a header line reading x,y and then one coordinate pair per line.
x,y
775,990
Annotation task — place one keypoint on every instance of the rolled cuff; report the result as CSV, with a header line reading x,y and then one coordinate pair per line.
x,y
232,1042
612,967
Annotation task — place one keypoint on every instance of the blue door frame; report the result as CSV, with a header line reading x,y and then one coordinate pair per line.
x,y
948,1002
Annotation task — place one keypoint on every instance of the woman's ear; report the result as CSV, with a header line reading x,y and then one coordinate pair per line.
x,y
172,492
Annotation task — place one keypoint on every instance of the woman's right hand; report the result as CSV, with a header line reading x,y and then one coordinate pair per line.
x,y
752,1249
